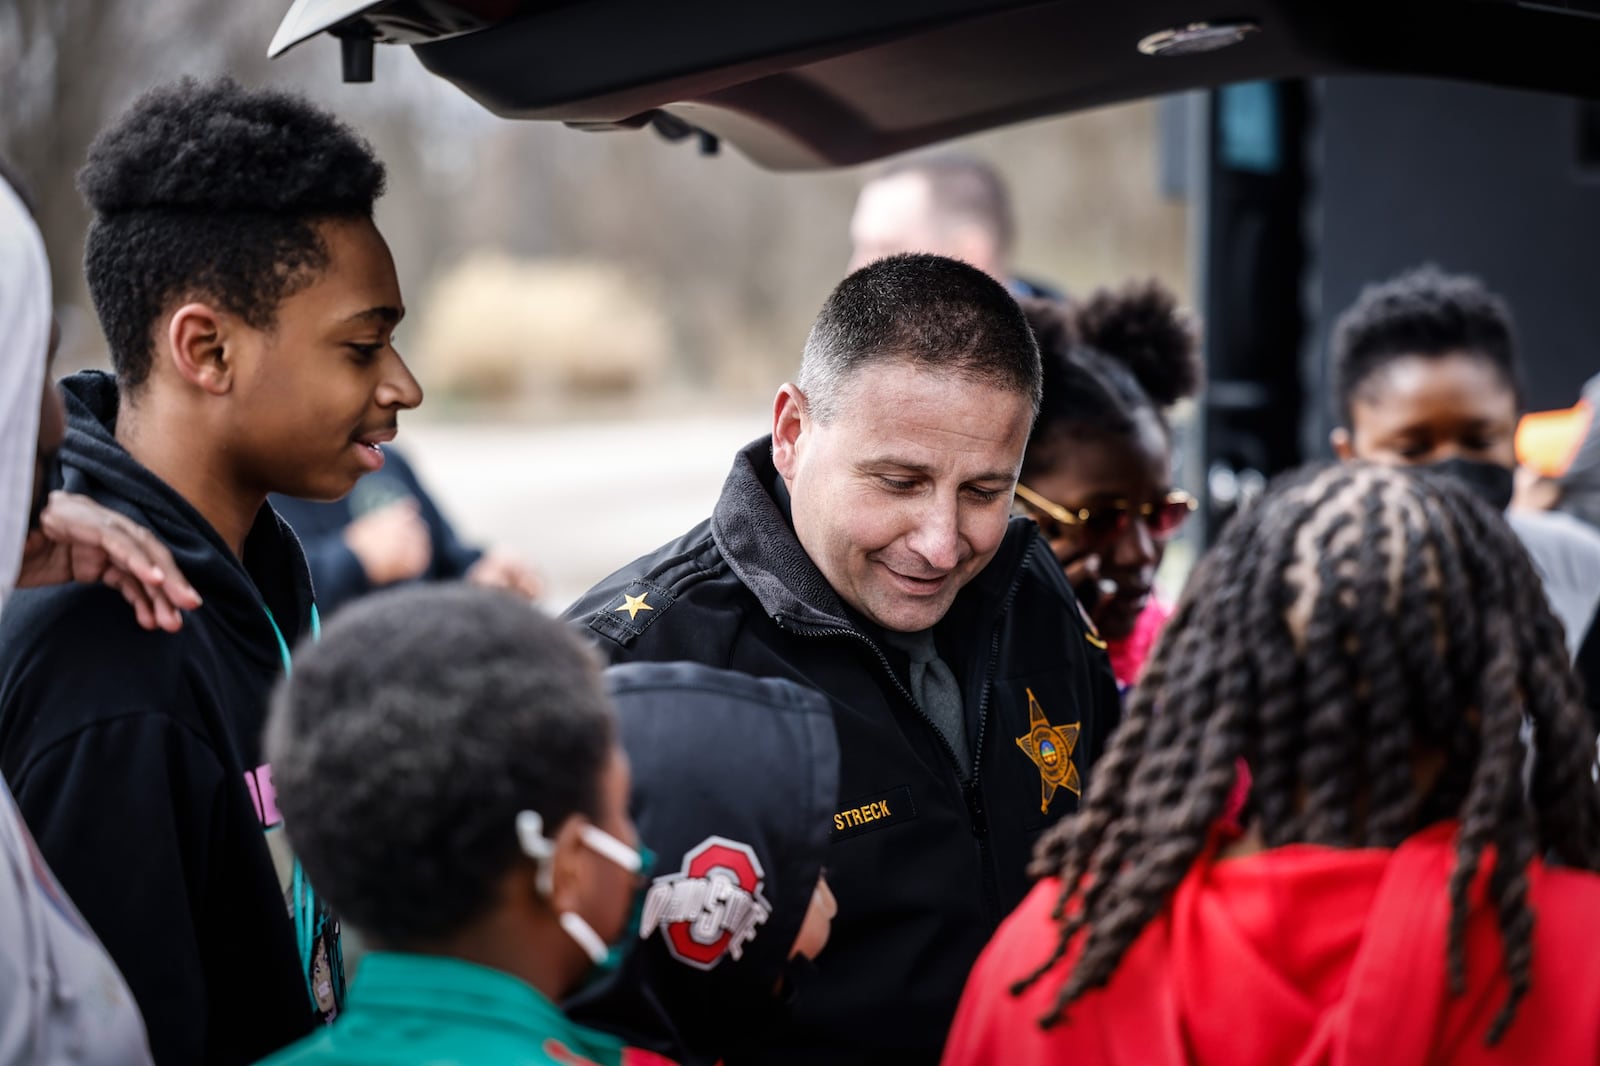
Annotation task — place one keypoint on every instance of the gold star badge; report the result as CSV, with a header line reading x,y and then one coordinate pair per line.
x,y
635,604
1050,748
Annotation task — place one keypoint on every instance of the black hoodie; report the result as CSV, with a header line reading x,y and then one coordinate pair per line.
x,y
734,782
135,757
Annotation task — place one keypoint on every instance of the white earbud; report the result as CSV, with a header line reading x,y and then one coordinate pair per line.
x,y
538,847
541,849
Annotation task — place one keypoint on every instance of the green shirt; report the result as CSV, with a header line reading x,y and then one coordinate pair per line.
x,y
446,1012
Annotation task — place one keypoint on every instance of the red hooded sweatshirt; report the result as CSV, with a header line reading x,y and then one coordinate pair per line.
x,y
1300,956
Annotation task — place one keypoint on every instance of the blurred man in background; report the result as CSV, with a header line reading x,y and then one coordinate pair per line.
x,y
948,204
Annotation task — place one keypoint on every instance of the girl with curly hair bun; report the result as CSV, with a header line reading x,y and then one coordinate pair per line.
x,y
1097,475
1416,879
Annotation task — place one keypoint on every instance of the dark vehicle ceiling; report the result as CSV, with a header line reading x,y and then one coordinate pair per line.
x,y
837,82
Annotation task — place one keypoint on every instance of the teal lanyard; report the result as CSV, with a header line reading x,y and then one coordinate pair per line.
x,y
310,921
283,645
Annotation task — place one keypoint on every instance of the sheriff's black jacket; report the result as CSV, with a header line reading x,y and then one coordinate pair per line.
x,y
924,862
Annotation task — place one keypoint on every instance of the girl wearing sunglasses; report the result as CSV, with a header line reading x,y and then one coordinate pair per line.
x,y
1097,474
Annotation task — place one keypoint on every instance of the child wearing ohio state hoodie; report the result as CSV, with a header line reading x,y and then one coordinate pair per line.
x,y
1377,648
248,301
735,787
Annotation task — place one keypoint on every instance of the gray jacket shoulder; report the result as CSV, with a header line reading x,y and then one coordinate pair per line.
x,y
1566,553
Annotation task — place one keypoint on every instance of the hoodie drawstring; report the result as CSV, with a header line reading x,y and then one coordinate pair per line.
x,y
310,918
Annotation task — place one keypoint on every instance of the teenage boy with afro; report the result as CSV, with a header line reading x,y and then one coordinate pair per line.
x,y
249,304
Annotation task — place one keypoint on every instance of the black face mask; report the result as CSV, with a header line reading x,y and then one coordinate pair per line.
x,y
1491,482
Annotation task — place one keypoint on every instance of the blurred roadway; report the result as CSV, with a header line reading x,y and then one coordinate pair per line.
x,y
578,500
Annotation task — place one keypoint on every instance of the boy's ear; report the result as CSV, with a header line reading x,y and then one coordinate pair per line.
x,y
197,343
566,878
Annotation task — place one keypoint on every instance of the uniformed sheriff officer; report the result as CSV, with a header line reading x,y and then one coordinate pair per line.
x,y
865,548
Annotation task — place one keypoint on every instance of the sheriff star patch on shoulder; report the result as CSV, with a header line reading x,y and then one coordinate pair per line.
x,y
712,908
631,611
1050,748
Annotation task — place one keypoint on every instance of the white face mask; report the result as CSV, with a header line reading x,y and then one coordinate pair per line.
x,y
540,848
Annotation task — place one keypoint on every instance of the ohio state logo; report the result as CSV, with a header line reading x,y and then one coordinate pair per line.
x,y
712,908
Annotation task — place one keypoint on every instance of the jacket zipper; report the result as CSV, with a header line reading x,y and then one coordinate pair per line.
x,y
883,660
971,790
975,807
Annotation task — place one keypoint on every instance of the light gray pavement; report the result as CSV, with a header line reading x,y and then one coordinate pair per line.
x,y
579,500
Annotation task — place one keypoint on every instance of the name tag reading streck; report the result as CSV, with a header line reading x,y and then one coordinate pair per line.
x,y
874,812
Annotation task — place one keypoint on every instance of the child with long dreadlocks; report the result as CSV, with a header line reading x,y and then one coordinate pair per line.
x,y
1414,884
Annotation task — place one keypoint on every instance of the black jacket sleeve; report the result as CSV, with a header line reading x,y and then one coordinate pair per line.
x,y
451,558
337,576
134,857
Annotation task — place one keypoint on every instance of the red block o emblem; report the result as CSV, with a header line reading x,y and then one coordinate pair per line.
x,y
713,907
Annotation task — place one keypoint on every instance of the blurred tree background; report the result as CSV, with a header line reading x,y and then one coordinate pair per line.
x,y
548,270
599,318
